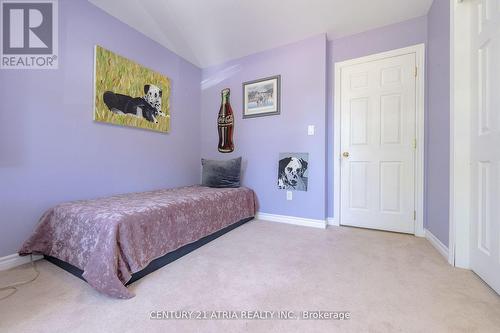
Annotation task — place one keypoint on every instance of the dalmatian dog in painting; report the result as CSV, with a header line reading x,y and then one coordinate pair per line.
x,y
153,97
147,107
291,172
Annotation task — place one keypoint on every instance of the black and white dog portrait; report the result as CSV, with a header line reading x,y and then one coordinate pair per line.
x,y
292,171
147,107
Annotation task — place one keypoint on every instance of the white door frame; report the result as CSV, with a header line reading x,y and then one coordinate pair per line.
x,y
460,132
419,51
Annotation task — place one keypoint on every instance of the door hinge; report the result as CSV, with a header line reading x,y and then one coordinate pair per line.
x,y
414,143
416,71
414,215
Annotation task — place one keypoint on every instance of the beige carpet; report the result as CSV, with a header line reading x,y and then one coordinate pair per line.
x,y
389,282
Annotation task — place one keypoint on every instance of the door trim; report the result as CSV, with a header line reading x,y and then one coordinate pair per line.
x,y
419,51
460,133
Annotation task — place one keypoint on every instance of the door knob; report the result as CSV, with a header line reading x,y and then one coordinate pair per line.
x,y
345,154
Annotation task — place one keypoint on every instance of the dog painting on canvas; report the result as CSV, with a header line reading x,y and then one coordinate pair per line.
x,y
127,93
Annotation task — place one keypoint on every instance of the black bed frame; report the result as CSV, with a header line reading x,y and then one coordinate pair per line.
x,y
158,262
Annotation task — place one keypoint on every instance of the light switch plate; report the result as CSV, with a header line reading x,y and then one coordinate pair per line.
x,y
289,195
310,130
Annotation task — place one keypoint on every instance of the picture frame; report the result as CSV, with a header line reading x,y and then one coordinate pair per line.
x,y
262,97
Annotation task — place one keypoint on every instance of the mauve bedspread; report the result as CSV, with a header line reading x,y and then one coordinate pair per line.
x,y
111,238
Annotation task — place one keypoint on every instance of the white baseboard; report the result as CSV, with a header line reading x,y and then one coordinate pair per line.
x,y
331,221
14,260
291,220
443,249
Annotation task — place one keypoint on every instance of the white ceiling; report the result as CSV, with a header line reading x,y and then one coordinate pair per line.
x,y
209,32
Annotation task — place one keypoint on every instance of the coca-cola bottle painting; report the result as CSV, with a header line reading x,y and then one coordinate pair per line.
x,y
225,124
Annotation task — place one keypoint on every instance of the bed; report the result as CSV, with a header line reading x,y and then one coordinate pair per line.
x,y
113,241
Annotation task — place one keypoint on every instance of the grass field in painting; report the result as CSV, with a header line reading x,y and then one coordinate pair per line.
x,y
120,75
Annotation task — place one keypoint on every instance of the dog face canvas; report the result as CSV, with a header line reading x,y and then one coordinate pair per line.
x,y
292,171
129,94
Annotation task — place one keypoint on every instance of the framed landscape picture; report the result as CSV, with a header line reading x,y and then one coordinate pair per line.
x,y
262,97
129,94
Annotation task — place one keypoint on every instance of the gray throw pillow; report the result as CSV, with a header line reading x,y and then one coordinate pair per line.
x,y
221,173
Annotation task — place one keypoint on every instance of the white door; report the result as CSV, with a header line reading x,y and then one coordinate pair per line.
x,y
485,142
378,138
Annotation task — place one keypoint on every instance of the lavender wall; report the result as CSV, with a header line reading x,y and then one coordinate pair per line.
x,y
260,140
438,120
52,151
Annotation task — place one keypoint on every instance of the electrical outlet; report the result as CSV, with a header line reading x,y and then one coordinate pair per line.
x,y
310,130
289,195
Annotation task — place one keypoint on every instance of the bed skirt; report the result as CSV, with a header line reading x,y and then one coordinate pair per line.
x,y
158,262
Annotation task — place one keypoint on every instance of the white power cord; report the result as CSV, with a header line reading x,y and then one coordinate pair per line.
x,y
13,287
